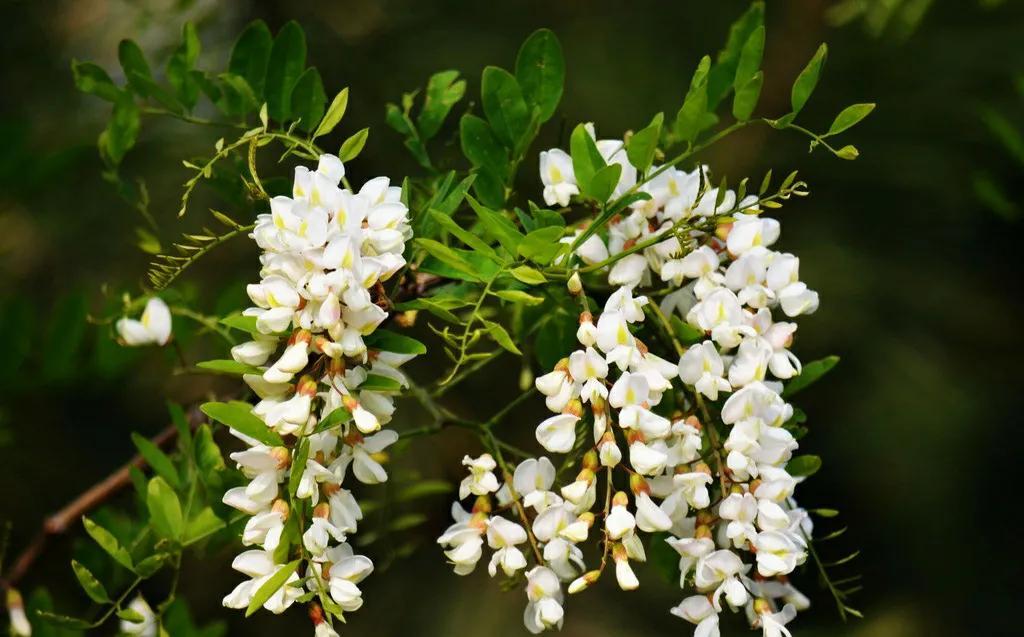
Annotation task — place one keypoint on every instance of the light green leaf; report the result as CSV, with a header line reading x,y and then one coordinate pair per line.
x,y
602,184
446,255
723,73
810,373
693,117
848,152
334,114
464,235
130,615
803,466
337,417
745,100
642,146
388,341
808,79
107,542
238,415
298,466
351,147
204,524
528,275
164,509
501,337
92,586
122,130
228,366
541,246
156,459
207,455
518,296
239,322
250,56
136,69
504,105
497,226
287,61
64,621
422,489
271,586
684,332
308,99
540,71
149,566
849,117
443,91
750,59
376,382
92,79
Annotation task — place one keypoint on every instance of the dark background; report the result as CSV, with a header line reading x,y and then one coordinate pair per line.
x,y
918,275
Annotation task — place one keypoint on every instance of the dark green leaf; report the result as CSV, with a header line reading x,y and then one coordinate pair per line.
x,y
446,255
540,71
122,130
422,489
63,621
808,79
207,455
92,586
643,145
202,525
271,586
298,466
501,337
376,382
149,566
238,415
541,246
239,322
251,54
481,146
465,236
227,366
586,158
750,59
92,79
388,341
602,184
164,509
504,105
337,417
497,226
308,100
684,332
444,90
803,466
745,100
694,115
723,73
136,69
180,66
156,459
287,61
811,372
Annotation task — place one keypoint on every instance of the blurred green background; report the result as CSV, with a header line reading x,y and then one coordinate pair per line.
x,y
911,248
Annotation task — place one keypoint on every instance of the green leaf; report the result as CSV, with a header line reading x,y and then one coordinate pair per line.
x,y
352,146
334,114
181,64
203,525
287,61
528,275
422,489
481,146
228,367
298,466
497,226
850,117
518,296
848,152
446,255
464,235
92,79
810,373
250,56
157,459
501,337
722,75
541,246
107,542
164,509
337,417
207,455
308,100
745,100
376,382
136,69
806,465
239,322
271,586
504,105
92,586
407,521
444,90
586,158
540,71
237,97
388,341
130,615
684,332
63,621
824,513
149,566
238,415
808,79
750,59
642,146
603,183
122,130
693,117
664,558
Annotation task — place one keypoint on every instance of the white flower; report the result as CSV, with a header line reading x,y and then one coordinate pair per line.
x,y
749,231
619,522
154,327
558,387
630,389
701,366
589,369
544,608
557,434
556,173
563,557
347,570
774,624
694,487
741,511
260,566
797,299
503,536
697,609
464,540
481,479
690,550
148,627
361,455
777,553
254,352
649,517
532,480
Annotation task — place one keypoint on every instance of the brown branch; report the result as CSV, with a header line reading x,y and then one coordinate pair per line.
x,y
59,522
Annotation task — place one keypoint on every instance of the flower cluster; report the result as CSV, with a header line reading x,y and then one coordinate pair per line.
x,y
693,448
326,250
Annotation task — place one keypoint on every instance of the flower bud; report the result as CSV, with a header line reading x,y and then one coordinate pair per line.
x,y
723,230
407,318
584,581
620,499
525,378
703,532
575,407
694,422
638,485
591,461
574,284
283,457
306,386
322,510
482,504
762,607
281,508
16,611
702,467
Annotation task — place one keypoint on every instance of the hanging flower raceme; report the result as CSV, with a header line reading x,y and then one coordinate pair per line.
x,y
689,439
325,390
